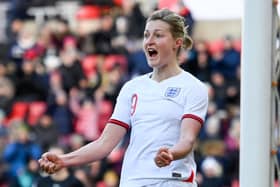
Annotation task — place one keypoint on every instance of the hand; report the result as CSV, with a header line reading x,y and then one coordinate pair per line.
x,y
50,163
163,157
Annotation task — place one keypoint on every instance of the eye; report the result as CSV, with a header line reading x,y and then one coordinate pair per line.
x,y
146,35
158,35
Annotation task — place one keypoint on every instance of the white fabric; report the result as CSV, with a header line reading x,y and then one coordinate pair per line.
x,y
154,112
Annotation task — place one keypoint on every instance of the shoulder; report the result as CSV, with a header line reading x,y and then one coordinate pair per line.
x,y
192,82
136,81
193,87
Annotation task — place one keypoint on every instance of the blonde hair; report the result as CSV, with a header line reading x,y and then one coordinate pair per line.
x,y
177,25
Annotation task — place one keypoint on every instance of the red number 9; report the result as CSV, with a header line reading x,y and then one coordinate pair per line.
x,y
134,100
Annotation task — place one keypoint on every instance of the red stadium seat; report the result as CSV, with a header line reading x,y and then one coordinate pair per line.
x,y
18,112
237,45
170,4
215,46
118,2
88,12
105,113
111,60
36,110
89,65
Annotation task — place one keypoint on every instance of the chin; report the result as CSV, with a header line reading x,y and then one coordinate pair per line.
x,y
153,63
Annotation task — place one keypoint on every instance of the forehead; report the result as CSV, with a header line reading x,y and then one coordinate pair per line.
x,y
157,25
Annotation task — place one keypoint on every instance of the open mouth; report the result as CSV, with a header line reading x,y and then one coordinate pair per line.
x,y
152,52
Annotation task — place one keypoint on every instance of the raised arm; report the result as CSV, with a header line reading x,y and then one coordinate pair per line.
x,y
93,151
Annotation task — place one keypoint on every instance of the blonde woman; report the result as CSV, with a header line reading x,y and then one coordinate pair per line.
x,y
164,110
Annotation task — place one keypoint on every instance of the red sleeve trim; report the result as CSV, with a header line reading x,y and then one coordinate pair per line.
x,y
193,117
120,123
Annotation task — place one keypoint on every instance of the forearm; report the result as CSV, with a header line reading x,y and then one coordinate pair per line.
x,y
96,150
181,149
89,153
189,131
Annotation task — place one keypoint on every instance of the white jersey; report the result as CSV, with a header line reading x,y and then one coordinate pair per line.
x,y
153,111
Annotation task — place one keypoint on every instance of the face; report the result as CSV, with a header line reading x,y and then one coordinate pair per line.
x,y
159,45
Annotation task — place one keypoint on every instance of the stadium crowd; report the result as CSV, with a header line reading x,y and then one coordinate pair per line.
x,y
59,83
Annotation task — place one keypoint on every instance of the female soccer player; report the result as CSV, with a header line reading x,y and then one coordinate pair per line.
x,y
163,109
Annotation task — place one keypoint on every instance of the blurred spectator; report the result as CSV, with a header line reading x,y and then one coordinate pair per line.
x,y
212,129
20,151
219,87
71,71
96,171
27,177
7,92
46,132
76,141
3,134
226,59
61,114
135,19
203,71
137,64
105,108
212,171
119,39
31,86
26,39
189,59
110,179
16,12
63,178
60,31
115,80
102,39
232,141
13,29
85,114
3,174
3,142
233,89
231,58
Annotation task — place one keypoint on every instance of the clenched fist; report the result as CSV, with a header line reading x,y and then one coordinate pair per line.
x,y
50,163
163,157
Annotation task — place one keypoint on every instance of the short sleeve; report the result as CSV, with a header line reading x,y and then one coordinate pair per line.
x,y
196,103
121,113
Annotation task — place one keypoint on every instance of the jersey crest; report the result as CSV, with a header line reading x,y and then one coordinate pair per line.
x,y
172,92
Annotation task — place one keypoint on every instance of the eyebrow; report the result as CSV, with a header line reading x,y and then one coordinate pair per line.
x,y
146,30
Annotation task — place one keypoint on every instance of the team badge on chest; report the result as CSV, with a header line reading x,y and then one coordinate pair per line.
x,y
172,92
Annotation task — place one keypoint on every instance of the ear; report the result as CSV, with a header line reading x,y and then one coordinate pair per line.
x,y
178,42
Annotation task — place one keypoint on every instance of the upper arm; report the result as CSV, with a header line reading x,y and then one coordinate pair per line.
x,y
121,114
194,113
196,104
111,136
189,129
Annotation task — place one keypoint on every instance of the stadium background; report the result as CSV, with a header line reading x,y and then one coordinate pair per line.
x,y
62,64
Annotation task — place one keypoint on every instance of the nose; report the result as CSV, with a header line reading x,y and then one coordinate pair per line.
x,y
149,40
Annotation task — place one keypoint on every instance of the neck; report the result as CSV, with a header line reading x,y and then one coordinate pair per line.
x,y
160,74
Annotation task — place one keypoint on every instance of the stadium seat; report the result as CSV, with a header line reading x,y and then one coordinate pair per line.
x,y
215,46
111,60
18,112
105,113
88,12
36,110
89,65
237,45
